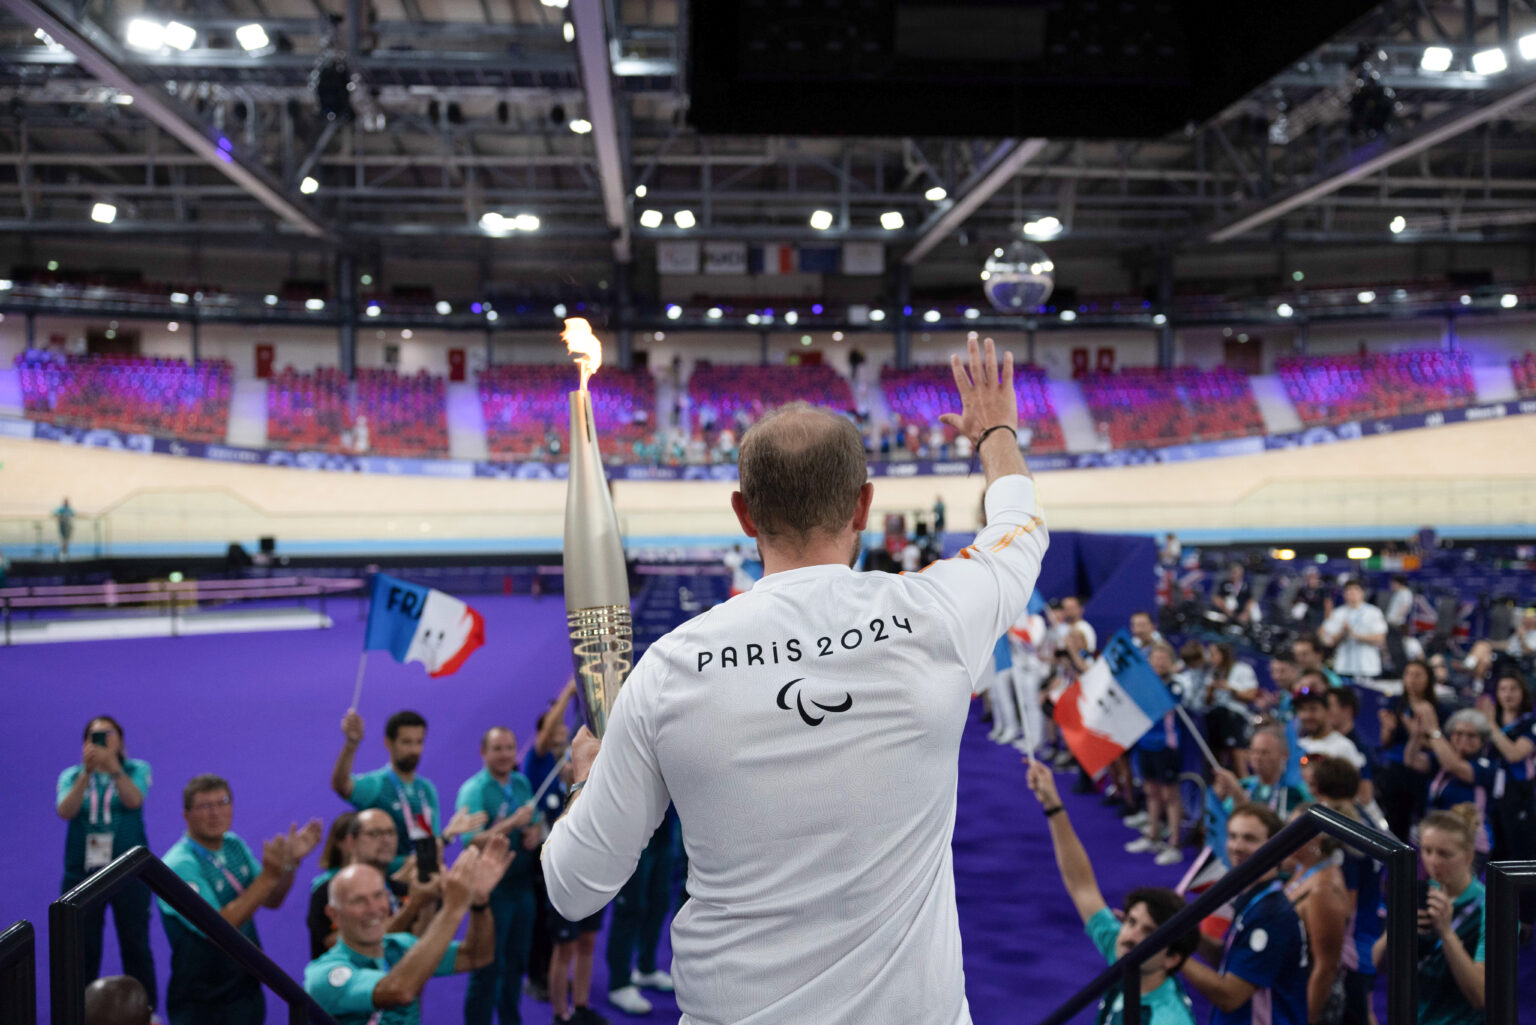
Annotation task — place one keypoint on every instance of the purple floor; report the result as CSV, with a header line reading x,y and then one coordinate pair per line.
x,y
264,710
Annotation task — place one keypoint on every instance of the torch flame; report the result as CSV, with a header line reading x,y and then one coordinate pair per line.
x,y
583,344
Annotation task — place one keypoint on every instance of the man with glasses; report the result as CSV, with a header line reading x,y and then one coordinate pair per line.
x,y
411,901
207,987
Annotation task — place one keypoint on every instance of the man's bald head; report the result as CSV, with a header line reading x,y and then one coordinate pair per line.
x,y
354,879
116,1000
801,470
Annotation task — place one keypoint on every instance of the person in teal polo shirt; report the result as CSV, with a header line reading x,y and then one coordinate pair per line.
x,y
376,977
409,799
505,798
207,987
102,799
1163,1000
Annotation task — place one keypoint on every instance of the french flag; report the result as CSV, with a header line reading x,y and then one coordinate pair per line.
x,y
419,624
1110,707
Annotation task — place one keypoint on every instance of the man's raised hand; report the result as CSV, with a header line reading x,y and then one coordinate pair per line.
x,y
986,397
352,727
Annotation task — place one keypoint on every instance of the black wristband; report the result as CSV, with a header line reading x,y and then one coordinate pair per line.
x,y
1055,811
480,907
989,430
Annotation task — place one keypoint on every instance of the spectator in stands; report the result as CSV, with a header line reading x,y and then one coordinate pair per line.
x,y
551,738
64,516
335,855
1269,755
1317,736
117,1000
1338,787
1286,674
1146,908
1171,550
1263,962
938,527
1358,632
1461,772
1309,657
1158,760
504,800
1451,977
1228,701
1520,644
1401,788
1144,631
1399,611
1316,890
371,970
102,799
1234,597
1343,707
207,987
1514,755
1312,603
413,900
408,799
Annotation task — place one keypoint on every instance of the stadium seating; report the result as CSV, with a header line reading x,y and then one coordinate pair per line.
x,y
522,403
309,411
1145,406
138,394
732,391
1333,389
1524,371
919,394
406,414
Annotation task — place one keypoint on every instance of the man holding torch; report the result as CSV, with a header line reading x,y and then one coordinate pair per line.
x,y
808,733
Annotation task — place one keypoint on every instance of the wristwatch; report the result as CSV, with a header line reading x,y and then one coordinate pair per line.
x,y
1435,734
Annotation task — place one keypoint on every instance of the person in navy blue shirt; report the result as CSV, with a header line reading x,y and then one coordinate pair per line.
x,y
1514,791
1262,965
551,737
1461,773
1400,789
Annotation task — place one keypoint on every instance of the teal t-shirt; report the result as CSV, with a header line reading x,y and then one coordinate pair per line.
x,y
1280,799
102,811
1441,1001
199,970
1165,1005
342,981
383,789
481,792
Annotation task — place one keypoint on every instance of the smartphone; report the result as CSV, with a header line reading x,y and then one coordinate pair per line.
x,y
426,857
99,738
1423,897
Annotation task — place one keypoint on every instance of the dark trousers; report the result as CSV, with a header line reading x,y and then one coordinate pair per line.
x,y
1357,994
248,1009
640,909
498,986
1402,794
542,948
130,917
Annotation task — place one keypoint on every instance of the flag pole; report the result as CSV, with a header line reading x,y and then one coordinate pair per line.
x,y
553,774
1199,740
357,688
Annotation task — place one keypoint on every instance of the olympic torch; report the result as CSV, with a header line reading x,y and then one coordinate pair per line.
x,y
596,583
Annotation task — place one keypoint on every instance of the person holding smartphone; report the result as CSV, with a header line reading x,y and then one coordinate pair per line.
x,y
102,799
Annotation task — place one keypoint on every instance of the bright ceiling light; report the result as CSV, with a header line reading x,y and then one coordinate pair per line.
x,y
492,316
144,34
314,305
1509,300
714,313
1367,296
103,213
935,194
374,309
1490,62
493,222
674,311
269,299
568,30
684,219
791,318
182,298
1045,228
877,315
892,220
932,316
555,3
650,219
525,222
252,37
1284,309
1282,554
1358,553
581,126
559,310
6,284
1466,300
1436,58
1397,224
179,36
821,220
1159,319
444,307
309,186
1527,47
754,319
173,326
639,191
1069,315
971,313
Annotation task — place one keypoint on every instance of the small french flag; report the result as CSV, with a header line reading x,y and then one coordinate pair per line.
x,y
419,624
1112,705
772,259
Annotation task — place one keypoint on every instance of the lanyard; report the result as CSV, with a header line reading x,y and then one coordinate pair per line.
x,y
101,803
1237,922
413,827
218,863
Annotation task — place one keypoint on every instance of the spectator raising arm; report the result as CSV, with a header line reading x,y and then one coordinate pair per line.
x,y
1071,859
341,775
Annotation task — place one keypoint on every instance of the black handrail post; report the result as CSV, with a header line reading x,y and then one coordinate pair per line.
x,y
18,974
1401,963
1130,1009
1502,935
66,975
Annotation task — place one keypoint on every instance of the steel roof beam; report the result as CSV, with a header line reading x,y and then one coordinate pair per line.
x,y
993,173
592,46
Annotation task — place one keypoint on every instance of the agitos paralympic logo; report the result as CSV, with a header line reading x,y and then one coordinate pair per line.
x,y
807,717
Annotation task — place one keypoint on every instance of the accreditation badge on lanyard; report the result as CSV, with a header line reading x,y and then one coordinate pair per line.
x,y
98,837
418,825
217,861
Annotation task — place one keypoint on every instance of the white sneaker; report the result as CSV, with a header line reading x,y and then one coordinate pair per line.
x,y
1136,821
1169,855
629,1000
1008,737
1141,845
657,980
1022,747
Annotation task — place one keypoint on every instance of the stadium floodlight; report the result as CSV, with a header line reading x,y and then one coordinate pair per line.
x,y
932,316
1436,58
568,30
179,36
1284,309
6,284
640,191
1527,47
971,313
103,213
650,219
309,186
877,315
559,310
314,305
754,319
1466,300
252,37
581,126
714,313
374,309
1069,315
821,220
525,222
936,194
182,298
674,311
1159,319
1490,62
1282,554
1509,300
892,220
492,316
269,299
1358,553
684,219
495,223
144,34
1397,224
444,308
792,318
1044,229
1367,296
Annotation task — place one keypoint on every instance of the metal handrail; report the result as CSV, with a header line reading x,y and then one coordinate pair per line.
x,y
18,974
1402,916
1501,933
68,920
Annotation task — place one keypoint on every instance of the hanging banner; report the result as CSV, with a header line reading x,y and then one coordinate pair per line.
x,y
725,258
677,256
863,258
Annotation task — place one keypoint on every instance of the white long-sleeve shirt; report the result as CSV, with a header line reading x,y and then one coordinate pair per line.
x,y
808,733
1354,657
